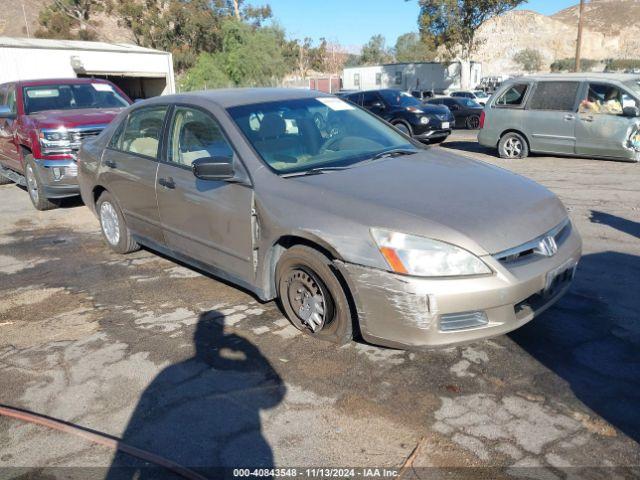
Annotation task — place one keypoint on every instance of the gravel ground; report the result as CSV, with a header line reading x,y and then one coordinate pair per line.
x,y
178,363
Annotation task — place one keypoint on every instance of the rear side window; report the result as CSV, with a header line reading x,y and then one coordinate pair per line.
x,y
558,96
513,96
141,132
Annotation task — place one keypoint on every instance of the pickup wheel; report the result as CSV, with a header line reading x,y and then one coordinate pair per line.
x,y
114,229
312,296
34,185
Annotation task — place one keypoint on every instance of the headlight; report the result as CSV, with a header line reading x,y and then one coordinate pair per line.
x,y
55,135
423,257
56,141
424,120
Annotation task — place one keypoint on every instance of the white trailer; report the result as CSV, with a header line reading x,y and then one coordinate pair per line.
x,y
439,77
140,72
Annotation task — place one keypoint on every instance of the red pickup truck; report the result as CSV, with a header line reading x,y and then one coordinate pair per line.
x,y
42,124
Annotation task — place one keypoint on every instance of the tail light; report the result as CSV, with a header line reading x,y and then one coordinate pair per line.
x,y
482,120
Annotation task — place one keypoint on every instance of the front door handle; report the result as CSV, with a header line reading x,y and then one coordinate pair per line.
x,y
587,119
569,117
167,182
110,163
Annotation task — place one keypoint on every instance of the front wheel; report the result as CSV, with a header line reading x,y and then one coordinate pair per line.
x,y
312,296
114,229
403,127
512,146
35,187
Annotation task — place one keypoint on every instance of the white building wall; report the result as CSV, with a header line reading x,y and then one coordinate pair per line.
x,y
33,63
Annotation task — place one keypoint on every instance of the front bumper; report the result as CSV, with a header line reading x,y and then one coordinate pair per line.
x,y
401,311
59,178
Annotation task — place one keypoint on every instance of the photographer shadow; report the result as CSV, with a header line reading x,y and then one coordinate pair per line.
x,y
204,412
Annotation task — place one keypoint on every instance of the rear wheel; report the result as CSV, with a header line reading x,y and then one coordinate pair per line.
x,y
312,296
114,229
472,122
35,187
512,146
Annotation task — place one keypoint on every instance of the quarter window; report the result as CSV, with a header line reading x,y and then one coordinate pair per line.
x,y
11,99
142,132
558,96
513,96
196,135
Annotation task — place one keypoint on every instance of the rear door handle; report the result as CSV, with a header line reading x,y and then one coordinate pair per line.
x,y
569,117
587,119
110,163
167,182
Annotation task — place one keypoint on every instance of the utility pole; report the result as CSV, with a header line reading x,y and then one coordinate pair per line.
x,y
579,40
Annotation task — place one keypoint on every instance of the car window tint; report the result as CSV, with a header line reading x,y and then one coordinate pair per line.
x,y
369,98
143,130
195,135
558,96
602,99
513,96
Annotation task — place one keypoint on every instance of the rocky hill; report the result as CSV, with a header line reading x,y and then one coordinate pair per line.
x,y
610,31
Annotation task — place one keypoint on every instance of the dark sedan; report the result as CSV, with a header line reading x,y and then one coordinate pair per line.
x,y
466,111
430,123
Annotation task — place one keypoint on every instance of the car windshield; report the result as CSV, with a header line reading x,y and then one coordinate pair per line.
x,y
397,98
480,94
71,97
314,133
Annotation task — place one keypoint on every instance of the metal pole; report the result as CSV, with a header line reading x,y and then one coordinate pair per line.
x,y
26,22
579,40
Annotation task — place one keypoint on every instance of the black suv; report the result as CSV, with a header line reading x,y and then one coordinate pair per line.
x,y
429,123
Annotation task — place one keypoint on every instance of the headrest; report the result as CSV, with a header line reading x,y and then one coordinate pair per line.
x,y
272,125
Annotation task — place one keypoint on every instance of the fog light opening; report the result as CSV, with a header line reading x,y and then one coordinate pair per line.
x,y
57,173
462,321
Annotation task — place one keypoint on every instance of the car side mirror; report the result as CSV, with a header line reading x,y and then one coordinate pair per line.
x,y
6,112
213,168
631,112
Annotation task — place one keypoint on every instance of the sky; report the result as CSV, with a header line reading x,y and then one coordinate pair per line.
x,y
353,22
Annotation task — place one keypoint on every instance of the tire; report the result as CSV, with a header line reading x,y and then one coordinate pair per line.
x,y
404,128
113,227
472,122
34,186
302,275
513,146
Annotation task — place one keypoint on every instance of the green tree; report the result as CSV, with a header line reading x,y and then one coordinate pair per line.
x,y
411,48
453,24
249,57
69,19
374,52
529,59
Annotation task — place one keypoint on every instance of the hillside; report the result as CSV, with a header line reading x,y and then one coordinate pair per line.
x,y
608,33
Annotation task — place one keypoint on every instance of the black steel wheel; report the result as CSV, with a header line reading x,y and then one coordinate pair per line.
x,y
312,296
473,122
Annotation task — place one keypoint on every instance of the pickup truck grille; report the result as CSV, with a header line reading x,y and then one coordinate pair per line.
x,y
79,134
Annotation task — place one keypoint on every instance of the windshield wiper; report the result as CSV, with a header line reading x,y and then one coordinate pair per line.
x,y
313,171
396,152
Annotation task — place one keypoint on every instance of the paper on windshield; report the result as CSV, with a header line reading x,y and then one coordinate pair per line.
x,y
102,87
335,103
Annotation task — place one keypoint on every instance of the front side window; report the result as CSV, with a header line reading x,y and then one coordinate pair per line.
x,y
397,98
289,141
369,99
142,131
71,97
604,99
195,135
557,96
513,96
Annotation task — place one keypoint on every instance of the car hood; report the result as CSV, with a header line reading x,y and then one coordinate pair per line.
x,y
434,109
444,196
74,118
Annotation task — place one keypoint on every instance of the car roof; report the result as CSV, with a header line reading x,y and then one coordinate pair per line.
x,y
620,77
55,81
234,97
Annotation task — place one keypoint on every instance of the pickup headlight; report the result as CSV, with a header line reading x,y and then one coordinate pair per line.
x,y
423,257
55,141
